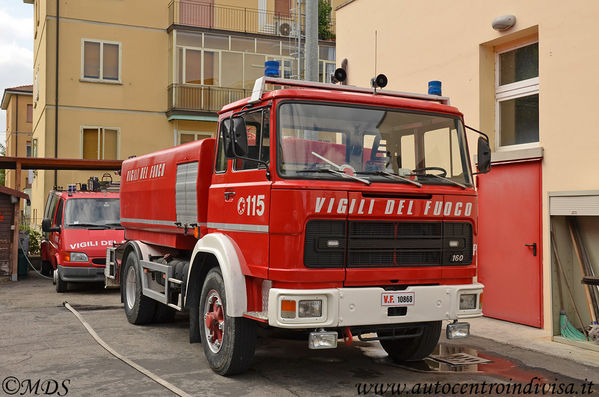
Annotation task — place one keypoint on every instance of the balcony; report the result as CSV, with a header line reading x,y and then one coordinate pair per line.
x,y
202,98
236,19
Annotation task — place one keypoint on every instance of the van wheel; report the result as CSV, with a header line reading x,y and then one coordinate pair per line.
x,y
228,342
139,309
61,285
412,349
46,268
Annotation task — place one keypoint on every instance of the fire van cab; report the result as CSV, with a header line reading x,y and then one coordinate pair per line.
x,y
78,226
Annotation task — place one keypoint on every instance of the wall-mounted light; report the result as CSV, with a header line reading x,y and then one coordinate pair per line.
x,y
503,22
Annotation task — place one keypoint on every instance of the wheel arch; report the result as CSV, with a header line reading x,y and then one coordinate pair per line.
x,y
217,250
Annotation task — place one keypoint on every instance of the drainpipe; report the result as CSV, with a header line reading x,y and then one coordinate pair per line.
x,y
311,52
56,91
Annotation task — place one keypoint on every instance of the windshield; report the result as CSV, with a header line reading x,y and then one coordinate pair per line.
x,y
375,144
92,212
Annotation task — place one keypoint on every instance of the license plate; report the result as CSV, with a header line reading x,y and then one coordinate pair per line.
x,y
397,298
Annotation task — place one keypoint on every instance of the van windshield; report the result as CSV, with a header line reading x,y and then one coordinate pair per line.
x,y
92,212
382,145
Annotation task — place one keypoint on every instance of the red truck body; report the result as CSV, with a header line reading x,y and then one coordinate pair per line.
x,y
326,210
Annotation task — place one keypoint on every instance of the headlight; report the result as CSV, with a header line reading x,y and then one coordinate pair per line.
x,y
76,257
311,308
467,301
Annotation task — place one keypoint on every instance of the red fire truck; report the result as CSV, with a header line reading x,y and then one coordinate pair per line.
x,y
336,210
79,224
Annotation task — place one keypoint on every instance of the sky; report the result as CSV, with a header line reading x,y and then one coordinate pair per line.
x,y
16,49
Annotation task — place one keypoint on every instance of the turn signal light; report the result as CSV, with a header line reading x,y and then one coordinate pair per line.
x,y
288,308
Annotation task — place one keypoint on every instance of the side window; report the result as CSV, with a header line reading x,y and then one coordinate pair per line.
x,y
258,140
50,206
221,159
58,217
257,125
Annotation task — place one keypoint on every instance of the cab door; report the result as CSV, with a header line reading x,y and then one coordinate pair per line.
x,y
240,196
54,238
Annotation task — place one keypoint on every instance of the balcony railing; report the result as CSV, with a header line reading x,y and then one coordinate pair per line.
x,y
236,19
202,98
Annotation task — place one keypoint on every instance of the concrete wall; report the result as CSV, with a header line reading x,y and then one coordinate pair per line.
x,y
455,43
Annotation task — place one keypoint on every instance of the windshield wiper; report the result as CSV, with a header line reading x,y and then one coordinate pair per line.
x,y
89,225
335,172
115,225
442,178
391,176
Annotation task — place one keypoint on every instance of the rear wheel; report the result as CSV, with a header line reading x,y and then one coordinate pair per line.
x,y
412,349
228,342
139,309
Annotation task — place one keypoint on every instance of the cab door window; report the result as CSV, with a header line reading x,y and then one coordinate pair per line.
x,y
257,126
58,217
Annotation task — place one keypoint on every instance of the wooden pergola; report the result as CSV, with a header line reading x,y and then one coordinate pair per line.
x,y
37,163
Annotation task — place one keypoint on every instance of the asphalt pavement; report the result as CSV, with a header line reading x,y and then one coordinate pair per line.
x,y
42,341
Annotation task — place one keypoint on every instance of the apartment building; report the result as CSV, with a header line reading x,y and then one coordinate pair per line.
x,y
17,102
118,78
521,72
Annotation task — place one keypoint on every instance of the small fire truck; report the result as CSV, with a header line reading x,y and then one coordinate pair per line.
x,y
78,225
334,210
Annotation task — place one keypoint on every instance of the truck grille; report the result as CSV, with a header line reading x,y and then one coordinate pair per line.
x,y
387,244
383,244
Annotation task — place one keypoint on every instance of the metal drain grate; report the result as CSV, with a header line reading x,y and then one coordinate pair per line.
x,y
460,359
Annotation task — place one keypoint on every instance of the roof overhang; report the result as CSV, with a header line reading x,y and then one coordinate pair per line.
x,y
8,93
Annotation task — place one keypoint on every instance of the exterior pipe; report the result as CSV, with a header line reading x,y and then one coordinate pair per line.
x,y
56,91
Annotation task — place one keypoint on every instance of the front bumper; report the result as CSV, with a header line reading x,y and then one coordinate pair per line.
x,y
81,274
343,307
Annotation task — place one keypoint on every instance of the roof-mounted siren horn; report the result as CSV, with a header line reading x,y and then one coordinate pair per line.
x,y
379,81
339,76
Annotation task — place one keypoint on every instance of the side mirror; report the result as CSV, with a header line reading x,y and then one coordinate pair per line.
x,y
484,156
234,133
47,226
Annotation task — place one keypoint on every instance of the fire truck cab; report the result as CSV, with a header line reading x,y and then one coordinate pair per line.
x,y
78,225
324,208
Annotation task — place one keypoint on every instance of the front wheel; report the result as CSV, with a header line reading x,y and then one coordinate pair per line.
x,y
139,309
412,349
228,342
61,285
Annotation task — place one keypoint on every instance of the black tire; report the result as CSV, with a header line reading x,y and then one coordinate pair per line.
x,y
46,268
61,285
235,353
163,314
412,349
139,309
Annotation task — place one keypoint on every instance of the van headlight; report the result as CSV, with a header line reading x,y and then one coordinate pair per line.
x,y
76,257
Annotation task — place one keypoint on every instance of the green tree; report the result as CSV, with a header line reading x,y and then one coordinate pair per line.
x,y
324,20
2,171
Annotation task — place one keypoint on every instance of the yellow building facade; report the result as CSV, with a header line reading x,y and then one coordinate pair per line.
x,y
523,73
114,79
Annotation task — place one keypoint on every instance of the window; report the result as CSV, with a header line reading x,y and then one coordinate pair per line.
x,y
258,140
34,147
257,127
29,113
190,136
28,149
99,143
517,96
101,60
